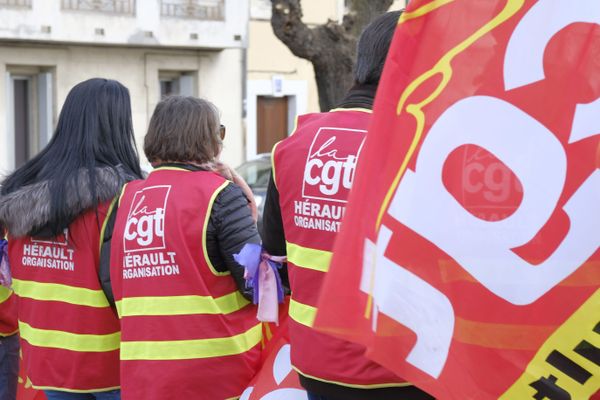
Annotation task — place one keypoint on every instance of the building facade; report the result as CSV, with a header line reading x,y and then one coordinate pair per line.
x,y
154,47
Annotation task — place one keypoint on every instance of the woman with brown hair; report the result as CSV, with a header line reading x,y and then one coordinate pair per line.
x,y
187,331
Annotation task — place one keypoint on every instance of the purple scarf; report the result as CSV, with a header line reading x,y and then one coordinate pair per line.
x,y
262,275
5,277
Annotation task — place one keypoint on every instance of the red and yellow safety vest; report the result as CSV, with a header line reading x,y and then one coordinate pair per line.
x,y
69,333
187,332
313,172
8,312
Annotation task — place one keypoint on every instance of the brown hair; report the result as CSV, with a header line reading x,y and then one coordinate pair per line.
x,y
183,129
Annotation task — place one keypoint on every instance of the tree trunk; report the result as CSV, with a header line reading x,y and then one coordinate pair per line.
x,y
330,47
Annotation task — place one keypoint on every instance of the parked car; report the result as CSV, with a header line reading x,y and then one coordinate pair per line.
x,y
256,173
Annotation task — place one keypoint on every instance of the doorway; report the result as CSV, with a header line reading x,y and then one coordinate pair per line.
x,y
30,113
271,122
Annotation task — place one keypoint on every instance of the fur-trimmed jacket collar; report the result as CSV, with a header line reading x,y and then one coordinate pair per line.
x,y
26,211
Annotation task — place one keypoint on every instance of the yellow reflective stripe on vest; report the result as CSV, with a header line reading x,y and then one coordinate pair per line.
x,y
105,222
100,389
205,228
360,109
305,257
170,169
190,349
5,293
273,156
302,313
352,385
67,340
58,292
181,305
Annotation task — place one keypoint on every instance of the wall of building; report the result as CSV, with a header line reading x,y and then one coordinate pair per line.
x,y
218,78
145,24
268,56
65,43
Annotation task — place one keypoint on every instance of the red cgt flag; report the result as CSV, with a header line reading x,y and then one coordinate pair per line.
x,y
468,260
276,380
24,389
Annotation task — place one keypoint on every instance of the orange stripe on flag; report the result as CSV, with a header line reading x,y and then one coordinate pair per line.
x,y
450,271
501,336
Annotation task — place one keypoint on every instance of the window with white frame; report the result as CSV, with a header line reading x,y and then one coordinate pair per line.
x,y
30,112
16,3
177,83
124,7
260,9
193,9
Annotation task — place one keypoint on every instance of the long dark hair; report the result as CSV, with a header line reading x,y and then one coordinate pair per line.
x,y
373,46
94,130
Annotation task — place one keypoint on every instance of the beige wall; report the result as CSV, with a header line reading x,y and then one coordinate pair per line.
x,y
47,21
269,57
219,79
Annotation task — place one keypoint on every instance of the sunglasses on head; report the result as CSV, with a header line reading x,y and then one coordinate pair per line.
x,y
222,132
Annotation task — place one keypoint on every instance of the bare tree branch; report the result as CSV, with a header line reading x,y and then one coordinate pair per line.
x,y
330,47
287,24
361,12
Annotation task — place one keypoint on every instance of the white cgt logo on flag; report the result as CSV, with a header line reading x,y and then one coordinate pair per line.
x,y
540,164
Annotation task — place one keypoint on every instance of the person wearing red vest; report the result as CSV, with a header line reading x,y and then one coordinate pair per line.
x,y
312,174
9,345
55,207
9,340
187,331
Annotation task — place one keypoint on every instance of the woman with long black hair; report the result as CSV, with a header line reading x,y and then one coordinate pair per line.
x,y
55,207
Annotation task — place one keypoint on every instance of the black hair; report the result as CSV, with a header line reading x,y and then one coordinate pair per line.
x,y
373,45
94,130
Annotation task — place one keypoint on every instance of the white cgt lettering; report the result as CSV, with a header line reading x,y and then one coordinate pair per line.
x,y
144,228
403,296
131,234
282,367
483,248
310,179
524,61
332,173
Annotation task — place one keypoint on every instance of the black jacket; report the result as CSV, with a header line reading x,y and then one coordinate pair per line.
x,y
230,227
360,96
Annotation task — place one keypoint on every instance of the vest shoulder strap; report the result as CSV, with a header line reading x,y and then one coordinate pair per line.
x,y
105,244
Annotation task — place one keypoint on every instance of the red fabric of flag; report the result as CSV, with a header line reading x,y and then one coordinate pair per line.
x,y
276,380
468,259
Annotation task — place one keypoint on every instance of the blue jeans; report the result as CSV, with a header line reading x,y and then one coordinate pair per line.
x,y
9,367
56,395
